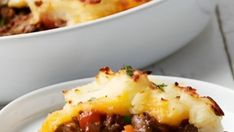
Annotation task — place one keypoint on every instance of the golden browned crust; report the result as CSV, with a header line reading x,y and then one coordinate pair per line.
x,y
218,111
193,92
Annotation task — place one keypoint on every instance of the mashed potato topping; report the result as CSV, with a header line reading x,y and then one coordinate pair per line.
x,y
73,11
130,91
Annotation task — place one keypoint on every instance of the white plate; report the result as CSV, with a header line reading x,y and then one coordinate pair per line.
x,y
26,113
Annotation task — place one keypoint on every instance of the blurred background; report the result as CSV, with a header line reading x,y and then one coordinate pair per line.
x,y
210,56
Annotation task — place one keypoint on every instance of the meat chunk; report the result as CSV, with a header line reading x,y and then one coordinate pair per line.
x,y
18,21
14,21
145,123
93,127
189,128
113,123
6,13
19,24
186,127
142,123
68,127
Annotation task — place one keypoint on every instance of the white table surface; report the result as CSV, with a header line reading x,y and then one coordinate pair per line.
x,y
210,56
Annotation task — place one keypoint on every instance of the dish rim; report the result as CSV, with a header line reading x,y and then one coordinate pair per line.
x,y
84,80
86,24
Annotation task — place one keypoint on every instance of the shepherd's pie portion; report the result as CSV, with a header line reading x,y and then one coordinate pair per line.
x,y
25,16
129,101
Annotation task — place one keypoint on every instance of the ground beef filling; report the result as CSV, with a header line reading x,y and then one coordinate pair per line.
x,y
17,21
96,122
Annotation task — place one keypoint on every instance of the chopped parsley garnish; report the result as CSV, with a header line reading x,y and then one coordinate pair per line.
x,y
129,70
127,119
160,86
